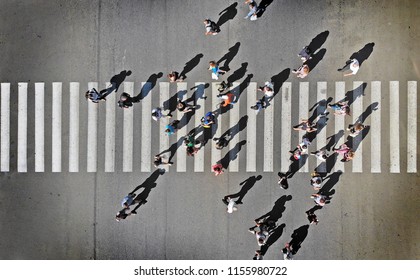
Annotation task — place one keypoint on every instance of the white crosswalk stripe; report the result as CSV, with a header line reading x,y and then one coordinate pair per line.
x,y
278,119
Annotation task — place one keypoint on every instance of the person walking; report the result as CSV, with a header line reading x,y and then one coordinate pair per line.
x,y
312,218
126,101
192,146
217,169
158,161
340,108
258,255
319,199
211,27
302,148
316,180
355,129
305,54
157,114
172,127
302,71
215,71
230,203
228,98
267,89
94,96
283,181
208,120
287,252
174,77
351,68
183,107
320,154
261,104
222,141
305,125
345,151
252,5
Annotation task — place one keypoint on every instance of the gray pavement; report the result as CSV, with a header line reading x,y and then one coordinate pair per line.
x,y
71,216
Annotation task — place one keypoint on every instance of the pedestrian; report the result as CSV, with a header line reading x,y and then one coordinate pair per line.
x,y
261,232
319,199
227,99
305,54
115,83
345,151
192,146
312,217
122,215
305,125
222,141
184,107
302,148
261,104
340,108
174,77
351,68
267,89
208,120
217,169
215,71
252,5
302,71
316,180
128,200
222,87
355,129
258,255
125,101
283,181
94,96
287,252
231,204
320,154
157,114
158,161
211,27
172,127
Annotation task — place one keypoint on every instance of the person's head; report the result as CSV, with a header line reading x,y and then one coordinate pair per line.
x,y
322,200
219,145
359,126
297,155
347,110
167,130
212,63
171,76
190,151
206,21
123,97
324,156
87,95
350,155
318,181
251,5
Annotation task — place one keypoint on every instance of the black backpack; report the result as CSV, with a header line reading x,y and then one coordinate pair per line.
x,y
214,27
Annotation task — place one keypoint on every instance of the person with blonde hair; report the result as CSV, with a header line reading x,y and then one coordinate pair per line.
x,y
302,71
355,129
346,152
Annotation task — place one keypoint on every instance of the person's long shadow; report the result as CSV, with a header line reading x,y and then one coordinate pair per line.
x,y
274,236
352,95
317,110
278,81
171,103
232,154
173,148
190,65
262,7
296,165
372,107
238,74
246,186
227,14
333,140
318,41
199,91
316,58
147,185
148,86
237,91
207,133
119,78
235,129
228,57
298,236
329,182
363,53
277,211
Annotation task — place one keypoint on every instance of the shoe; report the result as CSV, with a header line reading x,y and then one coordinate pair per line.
x,y
225,201
240,202
134,212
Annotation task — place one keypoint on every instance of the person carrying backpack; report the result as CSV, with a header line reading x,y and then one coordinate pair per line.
x,y
211,27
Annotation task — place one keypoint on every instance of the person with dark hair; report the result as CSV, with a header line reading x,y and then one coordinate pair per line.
x,y
351,68
174,77
283,181
302,148
316,180
192,146
345,151
94,96
208,120
258,255
158,161
302,71
222,87
222,141
287,252
261,104
312,217
172,127
262,230
252,5
217,169
355,129
305,54
340,108
215,70
125,101
319,199
267,89
211,27
184,107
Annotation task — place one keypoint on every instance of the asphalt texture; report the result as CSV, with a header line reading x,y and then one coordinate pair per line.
x,y
71,216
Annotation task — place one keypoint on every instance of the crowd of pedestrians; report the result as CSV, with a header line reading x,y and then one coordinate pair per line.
x,y
263,228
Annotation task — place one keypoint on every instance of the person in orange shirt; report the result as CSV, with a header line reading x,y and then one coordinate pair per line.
x,y
228,98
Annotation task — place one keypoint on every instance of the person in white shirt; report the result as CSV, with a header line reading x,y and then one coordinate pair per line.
x,y
351,67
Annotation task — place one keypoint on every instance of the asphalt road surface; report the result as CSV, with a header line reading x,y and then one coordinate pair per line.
x,y
57,214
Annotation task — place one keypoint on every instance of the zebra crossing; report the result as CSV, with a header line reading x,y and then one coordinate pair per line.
x,y
273,115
